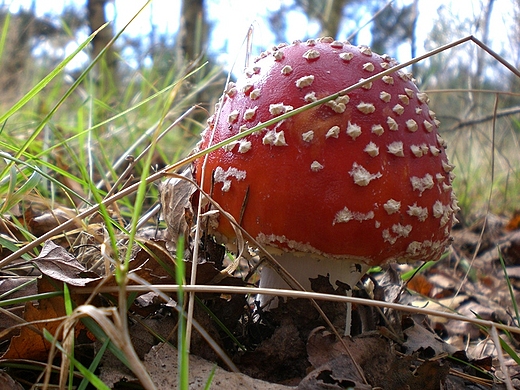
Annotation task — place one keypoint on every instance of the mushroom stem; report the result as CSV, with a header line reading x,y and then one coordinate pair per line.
x,y
302,268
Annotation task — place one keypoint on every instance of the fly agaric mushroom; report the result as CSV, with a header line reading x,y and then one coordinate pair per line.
x,y
359,181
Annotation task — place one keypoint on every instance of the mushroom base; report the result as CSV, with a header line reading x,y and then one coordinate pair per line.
x,y
302,268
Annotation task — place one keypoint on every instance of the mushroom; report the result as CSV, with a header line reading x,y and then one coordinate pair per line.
x,y
360,181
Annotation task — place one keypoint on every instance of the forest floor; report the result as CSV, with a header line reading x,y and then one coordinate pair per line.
x,y
292,346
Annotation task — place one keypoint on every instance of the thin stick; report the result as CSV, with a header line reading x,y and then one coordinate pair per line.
x,y
370,20
163,172
488,205
195,257
492,117
305,295
500,357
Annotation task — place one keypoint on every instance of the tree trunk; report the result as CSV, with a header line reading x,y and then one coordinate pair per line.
x,y
107,67
331,18
191,48
413,37
485,39
193,32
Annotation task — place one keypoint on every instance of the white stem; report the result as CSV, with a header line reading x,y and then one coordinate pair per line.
x,y
348,318
302,267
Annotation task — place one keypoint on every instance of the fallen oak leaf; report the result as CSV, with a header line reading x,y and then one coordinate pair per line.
x,y
58,264
30,344
46,314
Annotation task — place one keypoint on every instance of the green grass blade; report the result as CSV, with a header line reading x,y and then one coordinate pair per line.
x,y
510,351
100,335
509,286
15,197
47,176
94,365
182,351
3,36
28,298
7,244
90,376
46,80
67,299
210,378
69,309
10,179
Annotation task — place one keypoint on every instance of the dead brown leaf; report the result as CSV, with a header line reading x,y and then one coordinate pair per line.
x,y
338,373
155,264
421,340
382,365
8,383
11,287
30,344
176,207
58,264
514,222
46,314
42,222
420,284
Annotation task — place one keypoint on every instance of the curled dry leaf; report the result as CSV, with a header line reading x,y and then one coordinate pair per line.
x,y
55,262
338,373
382,365
176,207
41,223
8,383
419,339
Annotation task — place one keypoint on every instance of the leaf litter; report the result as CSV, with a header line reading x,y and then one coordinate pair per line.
x,y
290,346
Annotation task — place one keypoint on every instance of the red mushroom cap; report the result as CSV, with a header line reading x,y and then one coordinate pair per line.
x,y
364,176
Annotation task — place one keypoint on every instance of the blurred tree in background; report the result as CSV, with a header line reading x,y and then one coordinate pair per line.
x,y
18,41
392,27
137,66
107,71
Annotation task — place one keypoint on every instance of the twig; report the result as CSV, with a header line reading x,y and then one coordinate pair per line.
x,y
486,118
305,295
500,356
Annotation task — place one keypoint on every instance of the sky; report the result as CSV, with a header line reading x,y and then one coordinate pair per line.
x,y
231,20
